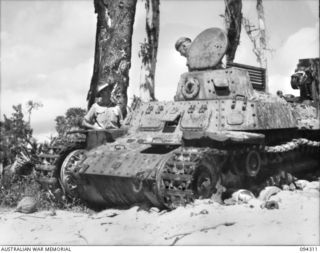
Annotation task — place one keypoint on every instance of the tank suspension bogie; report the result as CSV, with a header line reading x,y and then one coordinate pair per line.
x,y
188,174
247,161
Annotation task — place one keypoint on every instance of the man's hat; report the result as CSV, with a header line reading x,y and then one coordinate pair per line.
x,y
101,87
180,41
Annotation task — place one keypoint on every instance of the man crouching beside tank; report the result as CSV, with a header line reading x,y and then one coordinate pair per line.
x,y
103,114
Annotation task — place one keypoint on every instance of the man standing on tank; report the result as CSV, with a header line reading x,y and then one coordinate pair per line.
x,y
182,46
103,114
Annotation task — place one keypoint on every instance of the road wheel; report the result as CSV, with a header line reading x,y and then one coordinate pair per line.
x,y
68,169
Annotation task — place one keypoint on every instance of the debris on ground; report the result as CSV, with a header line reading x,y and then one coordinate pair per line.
x,y
27,205
211,223
52,212
254,203
217,196
202,212
292,187
270,204
315,185
285,187
301,184
242,196
268,191
106,213
154,210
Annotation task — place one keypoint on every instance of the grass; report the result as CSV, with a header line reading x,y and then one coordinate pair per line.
x,y
14,187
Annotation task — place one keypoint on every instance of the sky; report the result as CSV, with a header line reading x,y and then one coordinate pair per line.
x,y
47,49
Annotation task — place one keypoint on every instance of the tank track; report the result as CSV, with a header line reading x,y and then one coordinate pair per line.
x,y
46,169
189,173
181,177
291,156
303,144
177,179
50,160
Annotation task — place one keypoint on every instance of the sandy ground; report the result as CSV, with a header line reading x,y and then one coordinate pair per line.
x,y
205,222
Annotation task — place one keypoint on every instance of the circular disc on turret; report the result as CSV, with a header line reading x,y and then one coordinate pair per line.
x,y
207,49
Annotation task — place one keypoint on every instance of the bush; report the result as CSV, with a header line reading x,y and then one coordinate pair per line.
x,y
14,187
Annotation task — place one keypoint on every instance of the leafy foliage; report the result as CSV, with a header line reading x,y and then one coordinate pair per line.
x,y
72,119
15,133
14,187
19,154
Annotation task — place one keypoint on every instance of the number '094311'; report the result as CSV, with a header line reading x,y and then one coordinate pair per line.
x,y
309,248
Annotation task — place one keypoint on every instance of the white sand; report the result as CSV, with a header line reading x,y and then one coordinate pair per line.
x,y
296,222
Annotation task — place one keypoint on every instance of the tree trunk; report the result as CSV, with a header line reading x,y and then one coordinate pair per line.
x,y
148,51
233,19
262,40
262,37
112,58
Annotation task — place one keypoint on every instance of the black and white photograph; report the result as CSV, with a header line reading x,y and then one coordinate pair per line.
x,y
159,123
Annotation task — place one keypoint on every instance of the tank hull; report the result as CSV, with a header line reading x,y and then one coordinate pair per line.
x,y
119,178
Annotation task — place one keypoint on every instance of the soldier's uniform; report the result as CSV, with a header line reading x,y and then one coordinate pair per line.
x,y
104,117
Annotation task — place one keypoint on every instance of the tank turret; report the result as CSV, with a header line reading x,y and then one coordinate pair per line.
x,y
207,78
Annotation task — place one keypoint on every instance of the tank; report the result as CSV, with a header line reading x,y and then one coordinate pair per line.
x,y
222,129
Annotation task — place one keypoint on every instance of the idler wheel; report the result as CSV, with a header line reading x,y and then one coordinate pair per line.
x,y
68,168
252,163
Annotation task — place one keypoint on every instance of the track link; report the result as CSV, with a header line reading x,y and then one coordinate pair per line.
x,y
189,173
294,157
50,161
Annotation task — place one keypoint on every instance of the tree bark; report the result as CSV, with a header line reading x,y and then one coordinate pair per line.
x,y
262,40
148,51
262,30
233,19
112,58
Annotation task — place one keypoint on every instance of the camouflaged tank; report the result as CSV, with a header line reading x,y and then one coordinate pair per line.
x,y
221,129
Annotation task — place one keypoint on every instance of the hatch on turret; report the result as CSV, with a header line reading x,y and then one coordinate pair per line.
x,y
207,49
